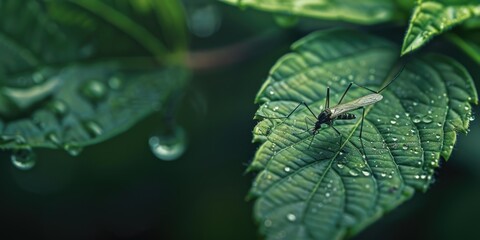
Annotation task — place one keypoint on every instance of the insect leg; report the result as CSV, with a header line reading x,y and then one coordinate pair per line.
x,y
345,93
338,132
389,82
295,109
361,131
327,100
311,141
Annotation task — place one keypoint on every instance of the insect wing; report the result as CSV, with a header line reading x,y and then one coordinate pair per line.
x,y
355,104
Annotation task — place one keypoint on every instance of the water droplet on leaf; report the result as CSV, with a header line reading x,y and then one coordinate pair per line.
x,y
94,90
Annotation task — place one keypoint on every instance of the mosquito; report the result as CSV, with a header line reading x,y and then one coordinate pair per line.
x,y
341,111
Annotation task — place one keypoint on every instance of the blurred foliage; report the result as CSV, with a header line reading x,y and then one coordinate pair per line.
x,y
99,84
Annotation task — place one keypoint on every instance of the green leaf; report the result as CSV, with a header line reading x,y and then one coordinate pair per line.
x,y
362,12
54,93
432,18
81,105
330,190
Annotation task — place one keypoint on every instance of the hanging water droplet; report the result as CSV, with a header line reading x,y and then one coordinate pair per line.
x,y
94,90
23,159
291,217
169,147
427,119
73,149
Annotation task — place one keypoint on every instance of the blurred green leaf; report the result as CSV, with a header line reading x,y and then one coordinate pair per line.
x,y
330,190
54,90
432,18
469,42
82,105
361,12
157,27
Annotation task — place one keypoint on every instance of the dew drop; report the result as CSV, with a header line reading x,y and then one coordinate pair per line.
x,y
287,169
366,173
23,159
405,147
93,128
275,108
439,124
414,103
353,172
339,165
169,147
272,92
58,107
393,122
437,136
416,119
394,139
397,116
417,176
73,149
53,137
427,119
327,194
94,90
291,217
